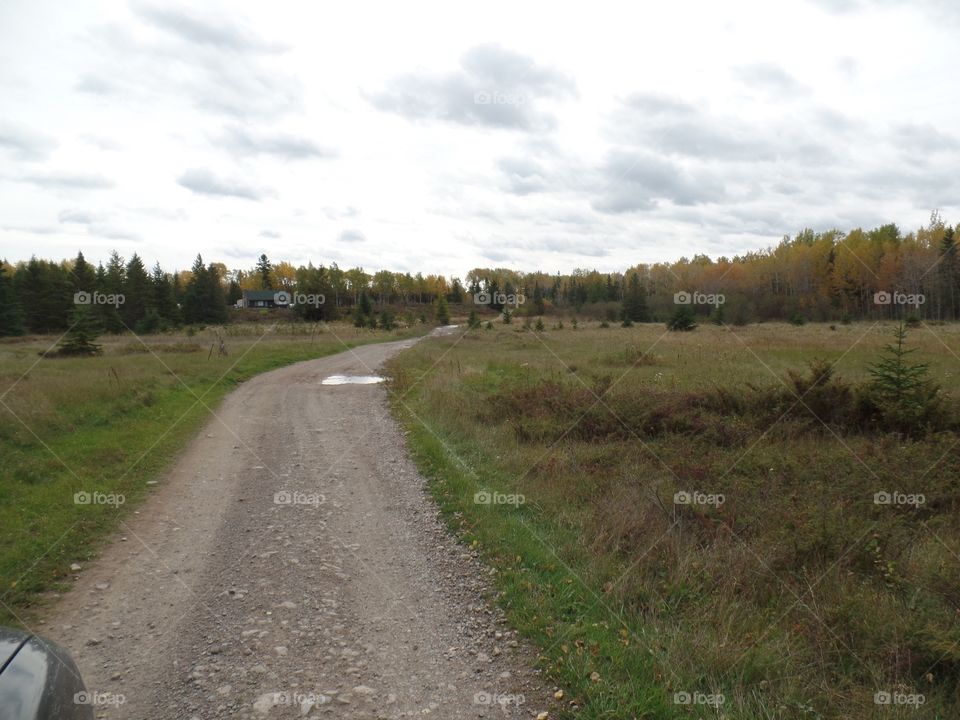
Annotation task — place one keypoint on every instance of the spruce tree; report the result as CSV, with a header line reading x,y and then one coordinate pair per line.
x,y
83,275
903,391
11,322
635,301
264,270
682,320
442,311
82,334
137,292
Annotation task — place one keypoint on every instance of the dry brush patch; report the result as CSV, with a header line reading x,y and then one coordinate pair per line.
x,y
780,553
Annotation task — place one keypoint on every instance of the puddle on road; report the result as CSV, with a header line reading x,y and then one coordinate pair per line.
x,y
351,380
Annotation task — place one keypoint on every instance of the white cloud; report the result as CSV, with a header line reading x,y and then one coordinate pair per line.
x,y
168,128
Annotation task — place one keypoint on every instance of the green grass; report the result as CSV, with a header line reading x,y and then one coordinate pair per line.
x,y
109,424
798,597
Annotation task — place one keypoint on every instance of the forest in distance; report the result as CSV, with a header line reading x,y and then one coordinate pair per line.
x,y
813,276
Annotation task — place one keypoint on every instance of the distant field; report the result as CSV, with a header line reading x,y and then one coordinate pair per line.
x,y
108,424
773,579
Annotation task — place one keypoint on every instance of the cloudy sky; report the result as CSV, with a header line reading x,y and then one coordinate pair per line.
x,y
444,136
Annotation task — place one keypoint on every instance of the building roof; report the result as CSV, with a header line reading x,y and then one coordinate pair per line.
x,y
259,294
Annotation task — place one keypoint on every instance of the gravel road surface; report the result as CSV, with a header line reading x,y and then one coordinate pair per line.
x,y
290,564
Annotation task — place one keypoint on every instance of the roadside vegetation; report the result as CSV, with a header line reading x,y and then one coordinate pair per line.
x,y
108,421
734,522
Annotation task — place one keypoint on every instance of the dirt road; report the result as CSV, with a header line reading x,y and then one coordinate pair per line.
x,y
290,565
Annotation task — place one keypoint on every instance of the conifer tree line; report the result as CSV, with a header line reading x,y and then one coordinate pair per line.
x,y
813,276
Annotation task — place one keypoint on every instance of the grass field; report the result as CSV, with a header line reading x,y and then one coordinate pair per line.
x,y
675,547
108,425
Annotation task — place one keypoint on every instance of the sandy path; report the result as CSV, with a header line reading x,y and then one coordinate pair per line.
x,y
217,601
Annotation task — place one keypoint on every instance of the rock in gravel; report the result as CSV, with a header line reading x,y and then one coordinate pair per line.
x,y
265,703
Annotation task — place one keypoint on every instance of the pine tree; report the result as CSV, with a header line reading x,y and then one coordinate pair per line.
x,y
682,319
82,334
264,270
83,275
902,390
456,292
203,300
442,311
164,299
11,322
947,267
137,292
363,313
43,291
538,304
113,281
473,321
635,301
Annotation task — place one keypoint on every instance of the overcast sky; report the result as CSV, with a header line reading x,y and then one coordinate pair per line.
x,y
444,136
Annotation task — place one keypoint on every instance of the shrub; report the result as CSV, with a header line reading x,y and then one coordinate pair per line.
x,y
682,320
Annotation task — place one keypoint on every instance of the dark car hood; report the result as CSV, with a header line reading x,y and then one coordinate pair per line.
x,y
10,641
39,680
